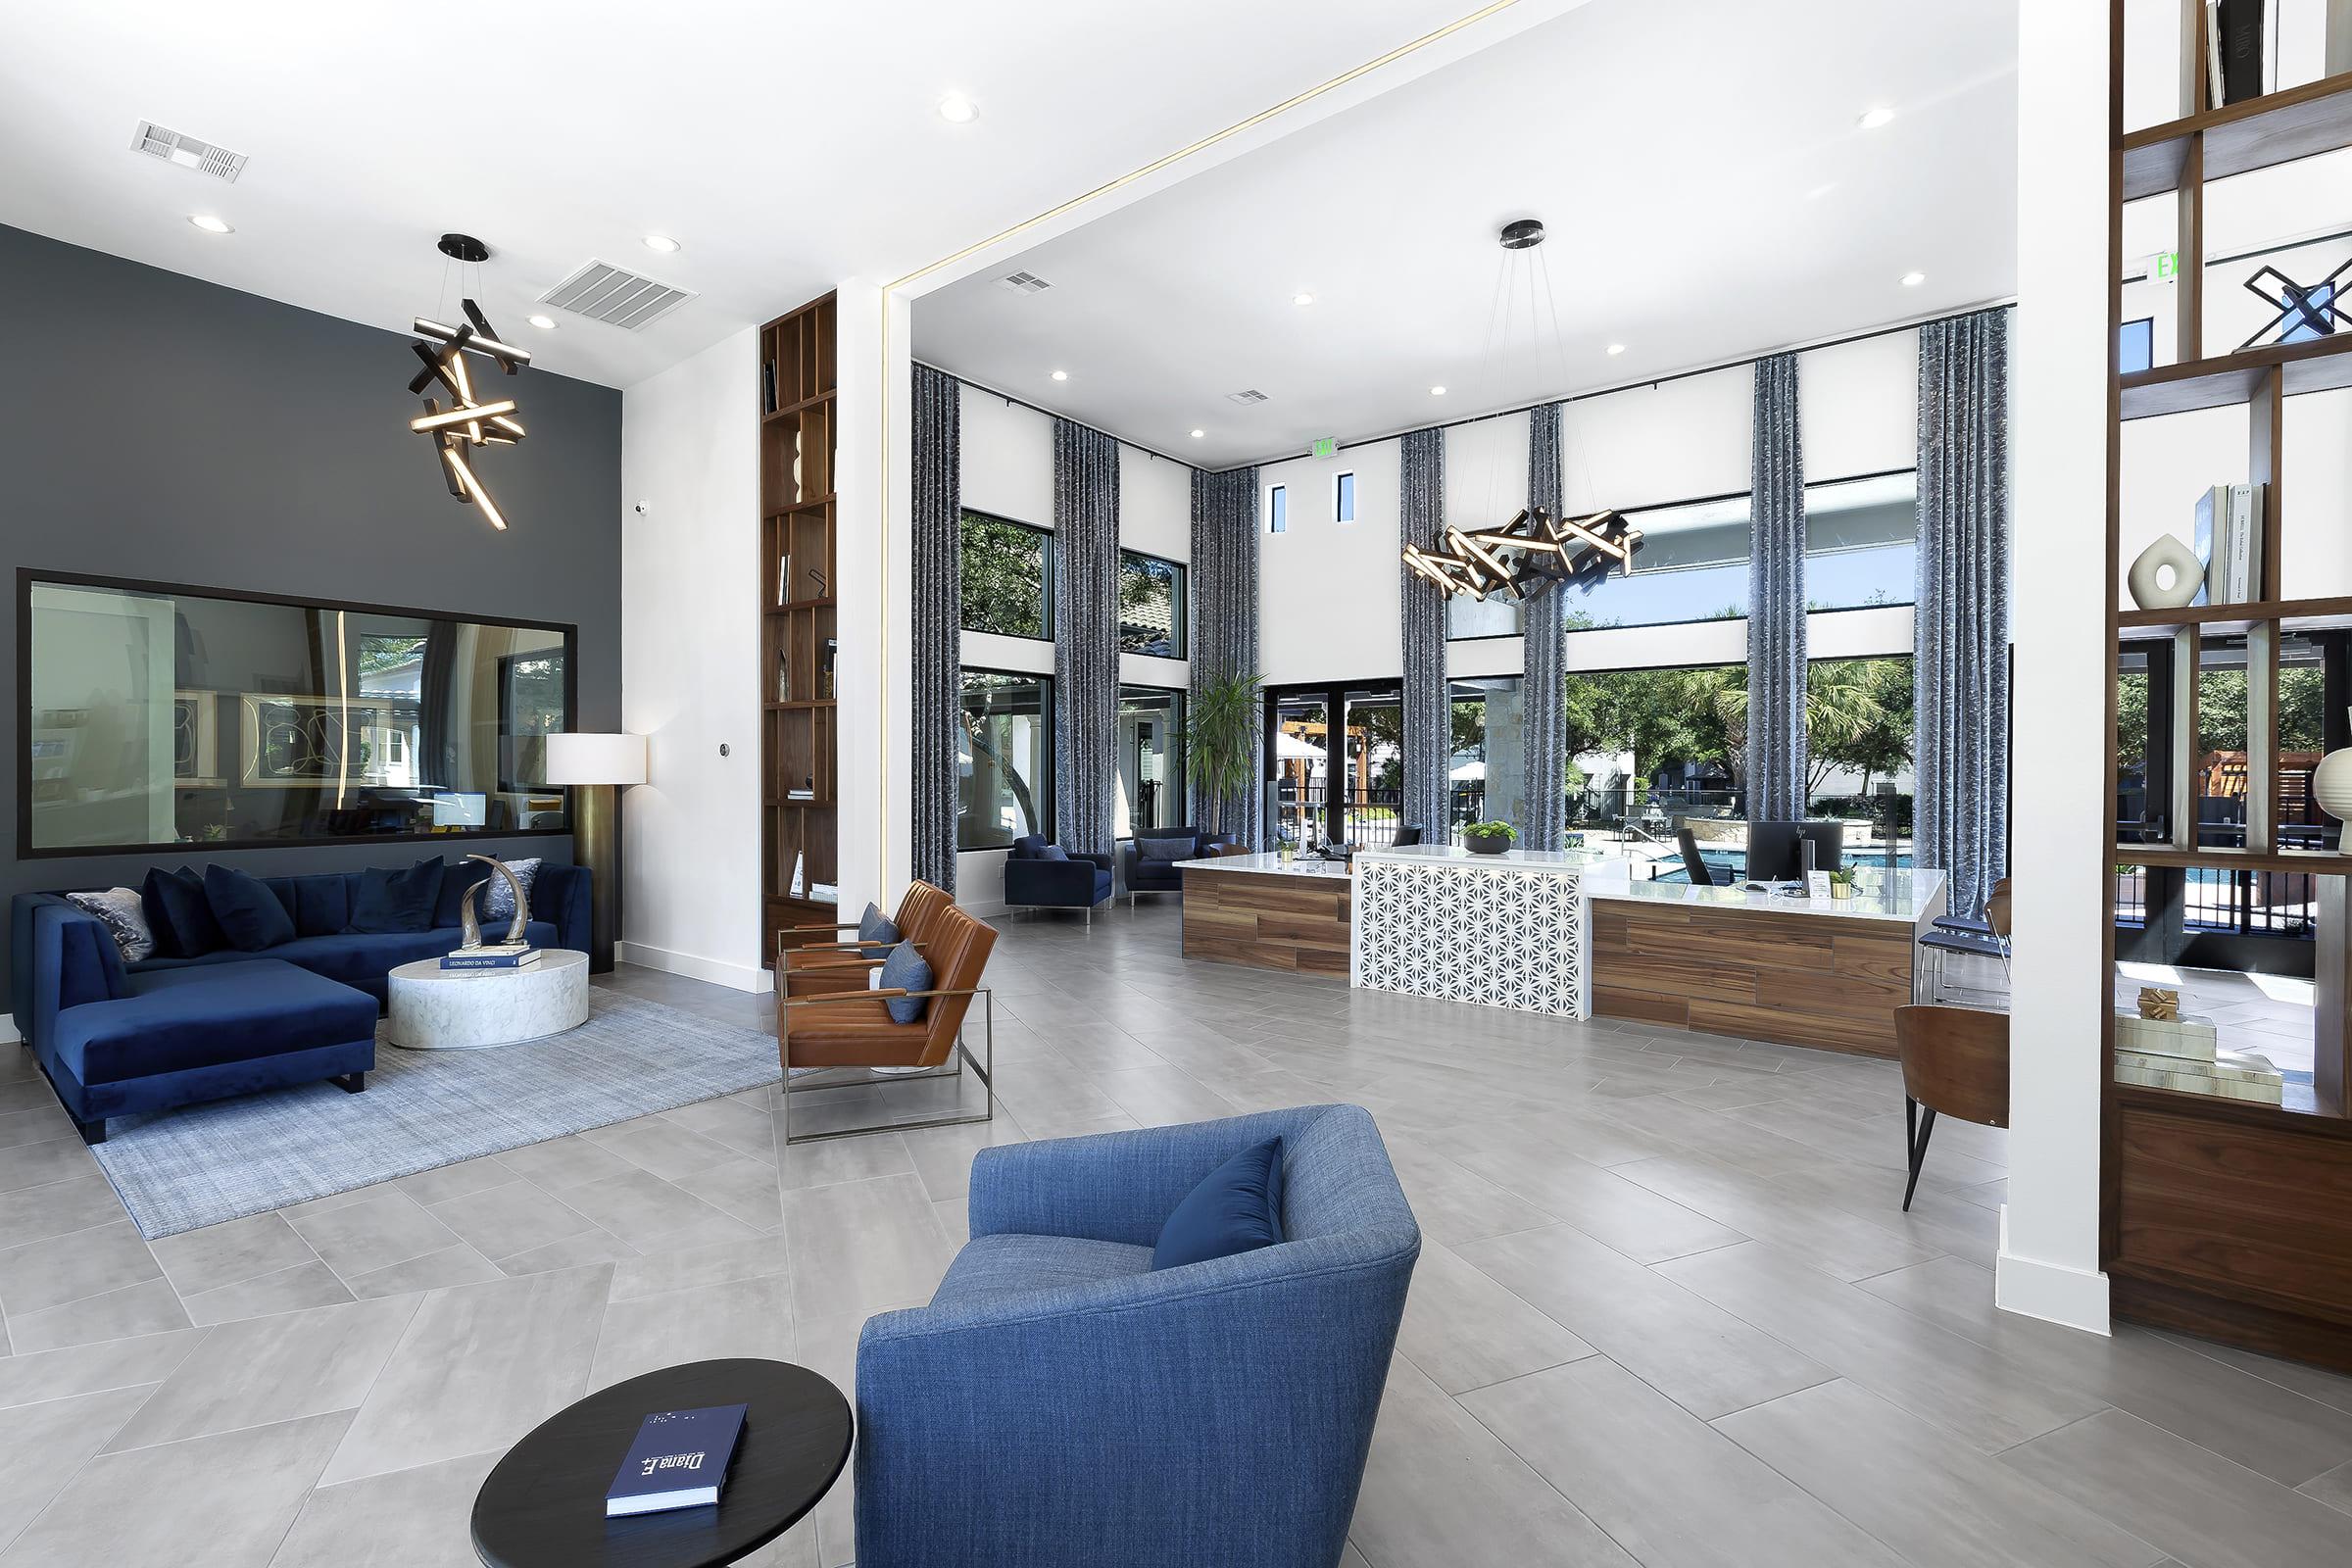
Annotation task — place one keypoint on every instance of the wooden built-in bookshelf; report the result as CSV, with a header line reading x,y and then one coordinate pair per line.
x,y
2227,1218
800,736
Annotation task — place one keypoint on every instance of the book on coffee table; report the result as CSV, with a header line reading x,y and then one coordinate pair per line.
x,y
680,1460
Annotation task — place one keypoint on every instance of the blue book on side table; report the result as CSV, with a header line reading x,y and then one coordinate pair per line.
x,y
680,1460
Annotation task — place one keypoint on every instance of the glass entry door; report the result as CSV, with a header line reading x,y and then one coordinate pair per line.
x,y
1334,782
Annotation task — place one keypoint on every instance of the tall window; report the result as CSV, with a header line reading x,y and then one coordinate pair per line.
x,y
1342,498
1150,606
1278,509
1151,760
1861,541
1007,577
1005,760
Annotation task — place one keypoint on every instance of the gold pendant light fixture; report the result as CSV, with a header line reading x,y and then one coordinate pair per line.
x,y
1534,550
469,422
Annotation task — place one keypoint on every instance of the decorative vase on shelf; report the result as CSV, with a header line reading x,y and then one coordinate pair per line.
x,y
2331,784
2167,575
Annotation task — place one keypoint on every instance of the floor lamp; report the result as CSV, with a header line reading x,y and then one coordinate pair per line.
x,y
597,767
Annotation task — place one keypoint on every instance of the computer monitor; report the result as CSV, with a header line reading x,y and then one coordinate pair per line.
x,y
1774,853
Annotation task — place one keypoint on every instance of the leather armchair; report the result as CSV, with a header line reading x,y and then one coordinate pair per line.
x,y
1032,881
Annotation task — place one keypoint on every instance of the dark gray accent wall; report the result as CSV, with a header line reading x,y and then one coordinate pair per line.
x,y
160,428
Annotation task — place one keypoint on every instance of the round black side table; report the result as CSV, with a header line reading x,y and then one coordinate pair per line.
x,y
544,1505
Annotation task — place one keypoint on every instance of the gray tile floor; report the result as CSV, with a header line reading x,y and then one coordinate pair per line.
x,y
1668,1312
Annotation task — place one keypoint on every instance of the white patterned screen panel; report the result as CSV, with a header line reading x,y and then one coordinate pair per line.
x,y
1501,939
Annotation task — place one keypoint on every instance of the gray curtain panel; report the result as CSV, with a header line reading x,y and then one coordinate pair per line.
x,y
1544,755
937,621
1224,629
1962,640
1427,705
1086,636
1776,601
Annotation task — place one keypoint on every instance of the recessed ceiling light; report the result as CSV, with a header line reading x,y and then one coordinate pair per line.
x,y
1914,279
1197,434
1303,298
957,110
210,224
545,324
1437,391
1616,348
1061,375
1873,119
661,242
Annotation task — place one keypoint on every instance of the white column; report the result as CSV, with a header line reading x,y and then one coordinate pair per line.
x,y
2049,1259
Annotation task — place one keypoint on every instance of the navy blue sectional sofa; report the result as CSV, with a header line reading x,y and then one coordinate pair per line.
x,y
119,1039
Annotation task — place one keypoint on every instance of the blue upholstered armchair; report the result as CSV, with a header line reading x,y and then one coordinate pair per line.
x,y
1059,1402
1041,875
1152,857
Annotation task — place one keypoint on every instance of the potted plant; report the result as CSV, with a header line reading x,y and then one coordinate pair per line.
x,y
1488,838
1842,882
1222,730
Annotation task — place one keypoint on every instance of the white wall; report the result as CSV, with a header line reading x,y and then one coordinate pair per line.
x,y
2049,1255
690,656
1327,590
1858,406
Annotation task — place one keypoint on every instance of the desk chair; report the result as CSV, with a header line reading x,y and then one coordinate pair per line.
x,y
1694,864
1955,1063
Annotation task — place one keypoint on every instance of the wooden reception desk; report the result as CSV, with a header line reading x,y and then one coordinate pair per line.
x,y
1822,972
1268,913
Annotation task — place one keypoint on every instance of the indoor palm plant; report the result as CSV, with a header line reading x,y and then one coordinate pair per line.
x,y
1221,732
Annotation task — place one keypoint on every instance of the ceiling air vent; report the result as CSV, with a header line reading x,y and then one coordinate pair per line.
x,y
187,152
603,292
1023,284
1246,395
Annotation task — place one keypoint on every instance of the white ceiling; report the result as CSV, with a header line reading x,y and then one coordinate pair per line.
x,y
787,146
1698,164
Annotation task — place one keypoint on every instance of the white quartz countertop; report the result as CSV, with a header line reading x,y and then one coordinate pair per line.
x,y
1878,894
1507,861
1269,866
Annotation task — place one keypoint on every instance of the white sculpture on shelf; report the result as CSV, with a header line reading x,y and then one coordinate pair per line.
x,y
2331,784
2151,586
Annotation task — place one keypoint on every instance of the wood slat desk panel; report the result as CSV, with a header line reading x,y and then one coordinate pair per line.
x,y
1799,979
1268,921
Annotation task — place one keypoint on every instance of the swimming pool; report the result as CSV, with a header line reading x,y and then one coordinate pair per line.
x,y
1731,865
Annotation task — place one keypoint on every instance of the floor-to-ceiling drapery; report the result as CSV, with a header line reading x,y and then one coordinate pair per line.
x,y
935,622
1776,601
1961,634
1428,733
1086,636
1224,633
1544,752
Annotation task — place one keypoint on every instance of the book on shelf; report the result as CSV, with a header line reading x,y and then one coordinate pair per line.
x,y
823,893
799,862
680,1460
767,387
783,580
2233,1075
2235,29
2192,1038
2228,540
506,956
800,795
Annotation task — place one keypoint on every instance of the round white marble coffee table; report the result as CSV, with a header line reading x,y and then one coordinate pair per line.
x,y
434,1008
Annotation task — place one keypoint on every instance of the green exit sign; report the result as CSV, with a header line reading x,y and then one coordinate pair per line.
x,y
1326,446
2168,265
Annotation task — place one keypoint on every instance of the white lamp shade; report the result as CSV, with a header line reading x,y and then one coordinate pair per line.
x,y
595,759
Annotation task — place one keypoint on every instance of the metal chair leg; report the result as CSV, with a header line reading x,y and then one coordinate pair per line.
x,y
1919,1144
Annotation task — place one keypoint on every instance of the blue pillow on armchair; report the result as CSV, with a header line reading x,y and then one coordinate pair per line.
x,y
1167,849
396,900
1053,851
179,914
250,915
906,969
1236,1209
877,930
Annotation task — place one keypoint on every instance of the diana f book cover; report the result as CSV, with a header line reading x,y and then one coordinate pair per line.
x,y
680,1460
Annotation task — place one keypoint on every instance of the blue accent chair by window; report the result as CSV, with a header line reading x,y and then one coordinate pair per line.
x,y
1059,1403
1150,858
1040,875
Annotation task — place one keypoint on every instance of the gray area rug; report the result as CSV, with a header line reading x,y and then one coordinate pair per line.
x,y
202,1164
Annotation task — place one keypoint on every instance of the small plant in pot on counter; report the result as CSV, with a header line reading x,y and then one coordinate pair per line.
x,y
1488,838
1842,882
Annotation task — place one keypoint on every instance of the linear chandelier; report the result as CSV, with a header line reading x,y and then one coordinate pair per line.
x,y
1534,550
469,422
1528,554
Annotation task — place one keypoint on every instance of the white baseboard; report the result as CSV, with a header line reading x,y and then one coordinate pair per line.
x,y
9,1034
739,976
2071,1297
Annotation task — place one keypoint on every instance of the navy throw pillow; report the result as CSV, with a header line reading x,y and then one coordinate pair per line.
x,y
1168,851
877,929
179,914
250,915
1053,851
396,900
906,969
1236,1209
